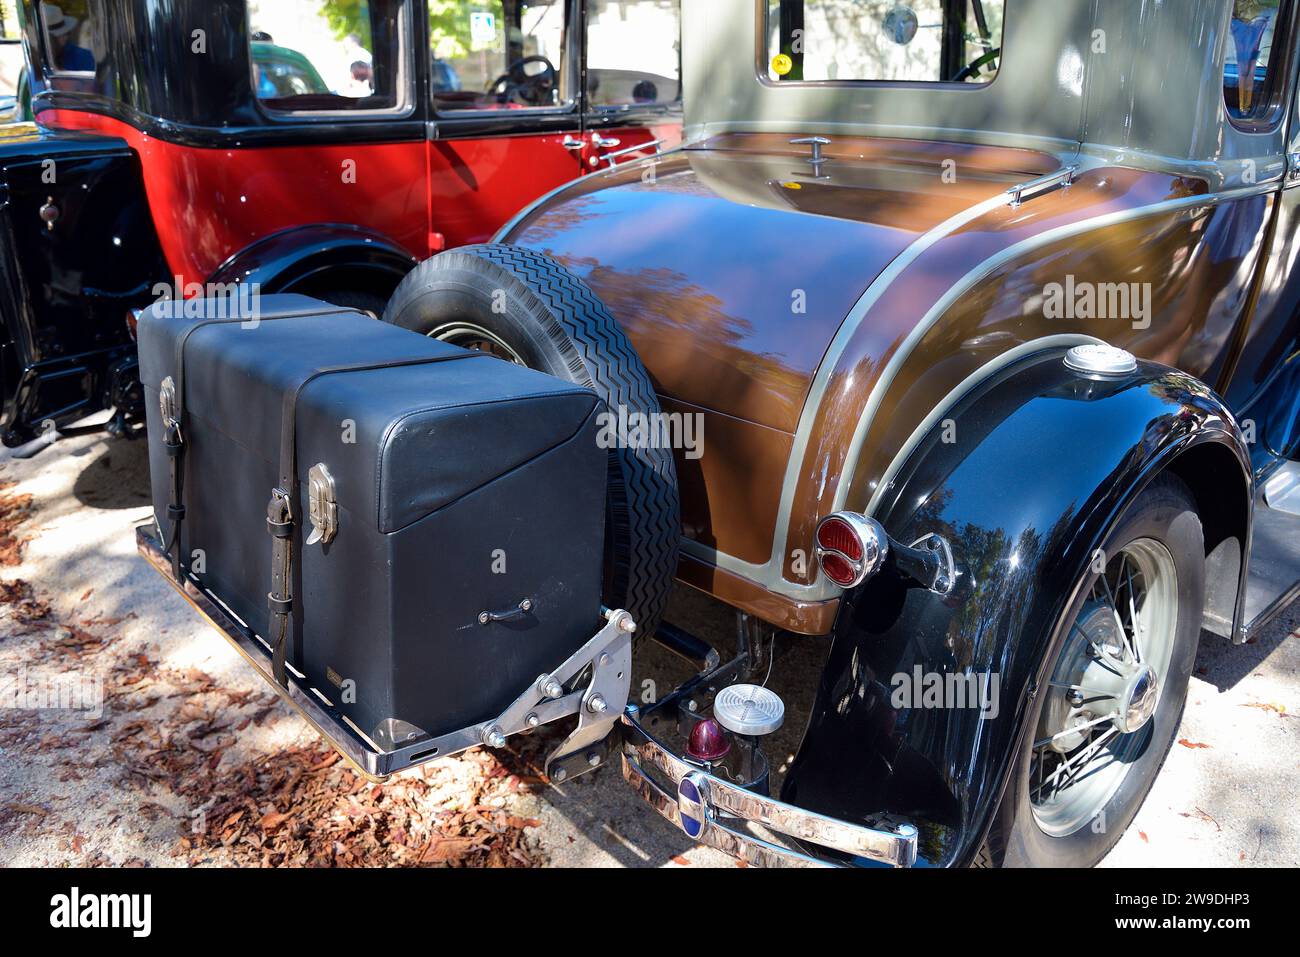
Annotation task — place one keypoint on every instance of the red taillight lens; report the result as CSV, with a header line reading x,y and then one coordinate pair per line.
x,y
837,569
836,535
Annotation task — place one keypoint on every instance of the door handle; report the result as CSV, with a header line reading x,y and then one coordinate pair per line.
x,y
603,143
571,142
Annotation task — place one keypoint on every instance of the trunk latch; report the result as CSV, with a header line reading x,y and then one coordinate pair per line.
x,y
322,506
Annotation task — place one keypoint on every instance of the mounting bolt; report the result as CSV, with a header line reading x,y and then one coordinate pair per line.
x,y
493,737
484,618
596,704
627,624
548,687
532,720
593,759
560,774
1076,697
526,605
604,659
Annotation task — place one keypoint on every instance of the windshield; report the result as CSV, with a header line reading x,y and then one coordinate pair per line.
x,y
953,41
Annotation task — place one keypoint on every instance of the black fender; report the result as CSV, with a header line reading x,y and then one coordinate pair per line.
x,y
1031,471
317,259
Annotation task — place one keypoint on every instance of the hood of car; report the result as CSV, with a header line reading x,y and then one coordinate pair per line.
x,y
732,265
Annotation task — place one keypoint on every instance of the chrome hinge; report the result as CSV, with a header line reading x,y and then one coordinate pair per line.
x,y
1292,168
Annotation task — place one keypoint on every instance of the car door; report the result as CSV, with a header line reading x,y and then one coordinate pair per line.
x,y
505,128
632,80
1263,384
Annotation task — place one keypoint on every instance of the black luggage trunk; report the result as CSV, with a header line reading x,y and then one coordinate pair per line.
x,y
469,493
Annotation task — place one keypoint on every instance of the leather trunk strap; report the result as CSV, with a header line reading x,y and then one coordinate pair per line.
x,y
173,439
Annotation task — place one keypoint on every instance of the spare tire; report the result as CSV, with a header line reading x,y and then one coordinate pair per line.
x,y
525,307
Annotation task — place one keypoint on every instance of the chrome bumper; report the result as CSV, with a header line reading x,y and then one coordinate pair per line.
x,y
714,812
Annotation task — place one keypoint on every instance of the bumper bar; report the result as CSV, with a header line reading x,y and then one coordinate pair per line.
x,y
714,812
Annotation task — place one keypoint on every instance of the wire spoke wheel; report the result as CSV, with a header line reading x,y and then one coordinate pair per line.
x,y
1104,688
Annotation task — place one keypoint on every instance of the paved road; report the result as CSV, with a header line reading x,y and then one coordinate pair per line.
x,y
1226,798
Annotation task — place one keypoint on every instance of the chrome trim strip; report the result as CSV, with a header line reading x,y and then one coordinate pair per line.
x,y
502,235
726,804
941,410
770,575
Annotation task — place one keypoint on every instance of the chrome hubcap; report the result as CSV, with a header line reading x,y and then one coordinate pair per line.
x,y
1105,688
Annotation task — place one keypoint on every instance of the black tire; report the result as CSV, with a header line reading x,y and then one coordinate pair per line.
x,y
554,323
1165,512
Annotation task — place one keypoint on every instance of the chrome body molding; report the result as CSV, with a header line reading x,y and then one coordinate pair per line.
x,y
502,235
724,809
771,575
940,411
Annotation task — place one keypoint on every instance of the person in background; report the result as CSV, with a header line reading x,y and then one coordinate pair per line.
x,y
1249,23
65,54
362,83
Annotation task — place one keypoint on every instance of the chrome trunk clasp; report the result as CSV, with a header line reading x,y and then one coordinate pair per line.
x,y
322,506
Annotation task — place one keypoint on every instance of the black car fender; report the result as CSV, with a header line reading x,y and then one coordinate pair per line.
x,y
320,259
1041,464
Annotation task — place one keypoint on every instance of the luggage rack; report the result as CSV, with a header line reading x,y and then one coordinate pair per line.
x,y
598,706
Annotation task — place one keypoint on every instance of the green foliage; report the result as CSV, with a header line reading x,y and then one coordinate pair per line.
x,y
349,16
448,22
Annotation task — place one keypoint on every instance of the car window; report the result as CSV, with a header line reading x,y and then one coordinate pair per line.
x,y
633,52
921,41
1250,82
490,55
11,58
310,56
71,31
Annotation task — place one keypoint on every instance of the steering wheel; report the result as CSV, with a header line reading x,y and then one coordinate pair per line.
x,y
529,89
974,66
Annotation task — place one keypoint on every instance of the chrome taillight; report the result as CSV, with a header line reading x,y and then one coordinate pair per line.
x,y
850,548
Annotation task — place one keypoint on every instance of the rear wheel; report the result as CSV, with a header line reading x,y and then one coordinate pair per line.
x,y
524,307
1113,699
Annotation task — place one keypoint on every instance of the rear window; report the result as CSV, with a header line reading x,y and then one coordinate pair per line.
x,y
1252,83
308,56
935,41
72,36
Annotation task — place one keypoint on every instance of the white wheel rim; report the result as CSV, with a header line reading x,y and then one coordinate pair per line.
x,y
467,335
1104,689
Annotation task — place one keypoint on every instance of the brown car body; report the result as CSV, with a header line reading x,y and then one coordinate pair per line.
x,y
918,269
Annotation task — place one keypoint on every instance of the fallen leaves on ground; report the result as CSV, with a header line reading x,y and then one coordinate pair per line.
x,y
14,510
179,742
1193,744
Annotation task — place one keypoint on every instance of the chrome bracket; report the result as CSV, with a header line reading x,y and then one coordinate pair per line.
x,y
168,403
945,576
1064,178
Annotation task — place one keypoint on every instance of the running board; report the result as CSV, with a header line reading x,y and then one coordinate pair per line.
x,y
1274,569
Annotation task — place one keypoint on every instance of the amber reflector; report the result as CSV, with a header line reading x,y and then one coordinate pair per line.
x,y
837,535
837,569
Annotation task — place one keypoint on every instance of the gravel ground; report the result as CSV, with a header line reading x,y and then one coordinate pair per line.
x,y
72,792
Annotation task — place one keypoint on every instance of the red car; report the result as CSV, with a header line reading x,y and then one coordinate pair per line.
x,y
305,147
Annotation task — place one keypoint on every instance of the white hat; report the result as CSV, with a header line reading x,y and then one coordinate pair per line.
x,y
57,23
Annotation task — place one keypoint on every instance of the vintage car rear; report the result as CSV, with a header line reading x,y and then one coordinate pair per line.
x,y
977,308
